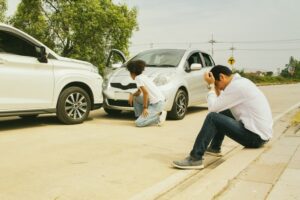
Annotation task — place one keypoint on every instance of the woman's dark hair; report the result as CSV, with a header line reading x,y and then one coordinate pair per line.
x,y
136,67
220,69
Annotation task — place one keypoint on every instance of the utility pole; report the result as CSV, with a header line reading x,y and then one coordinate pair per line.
x,y
232,49
212,41
231,60
151,45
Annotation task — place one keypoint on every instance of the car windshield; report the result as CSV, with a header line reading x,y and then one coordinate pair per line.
x,y
161,57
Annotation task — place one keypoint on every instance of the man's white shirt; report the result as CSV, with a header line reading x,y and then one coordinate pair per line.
x,y
155,94
246,103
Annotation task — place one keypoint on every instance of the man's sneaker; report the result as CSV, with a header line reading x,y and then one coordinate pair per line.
x,y
188,163
213,152
162,118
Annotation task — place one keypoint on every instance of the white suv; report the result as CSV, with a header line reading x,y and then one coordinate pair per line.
x,y
35,80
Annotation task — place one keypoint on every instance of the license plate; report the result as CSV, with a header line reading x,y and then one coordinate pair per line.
x,y
122,95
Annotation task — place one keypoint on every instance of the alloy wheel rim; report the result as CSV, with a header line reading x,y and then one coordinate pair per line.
x,y
76,106
181,105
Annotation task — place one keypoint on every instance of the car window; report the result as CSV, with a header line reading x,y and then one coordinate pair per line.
x,y
12,44
194,58
207,60
161,57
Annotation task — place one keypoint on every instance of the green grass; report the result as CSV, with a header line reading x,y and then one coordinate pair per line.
x,y
269,80
296,119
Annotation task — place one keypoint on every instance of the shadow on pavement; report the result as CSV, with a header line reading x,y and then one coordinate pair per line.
x,y
124,116
13,123
129,115
195,109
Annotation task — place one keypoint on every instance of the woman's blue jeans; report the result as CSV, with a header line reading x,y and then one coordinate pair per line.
x,y
214,129
153,109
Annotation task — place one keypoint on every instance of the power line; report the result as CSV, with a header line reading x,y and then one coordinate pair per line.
x,y
237,49
291,49
212,42
260,41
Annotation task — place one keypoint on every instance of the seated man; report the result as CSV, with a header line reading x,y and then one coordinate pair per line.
x,y
237,109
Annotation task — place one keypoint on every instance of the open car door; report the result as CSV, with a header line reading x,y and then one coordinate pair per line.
x,y
116,59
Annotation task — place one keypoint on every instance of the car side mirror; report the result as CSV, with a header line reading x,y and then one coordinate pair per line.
x,y
196,66
42,54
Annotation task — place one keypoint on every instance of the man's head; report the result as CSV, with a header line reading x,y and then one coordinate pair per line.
x,y
222,75
135,67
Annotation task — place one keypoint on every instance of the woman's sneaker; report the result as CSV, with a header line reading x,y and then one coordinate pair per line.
x,y
213,152
188,163
162,118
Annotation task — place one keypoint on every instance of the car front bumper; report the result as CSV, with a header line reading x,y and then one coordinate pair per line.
x,y
113,101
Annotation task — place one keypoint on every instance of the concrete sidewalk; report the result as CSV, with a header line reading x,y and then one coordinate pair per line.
x,y
272,172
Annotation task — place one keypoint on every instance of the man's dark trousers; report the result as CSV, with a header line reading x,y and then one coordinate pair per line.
x,y
214,129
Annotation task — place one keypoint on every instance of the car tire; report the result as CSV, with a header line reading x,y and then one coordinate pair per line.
x,y
28,117
179,107
112,111
73,106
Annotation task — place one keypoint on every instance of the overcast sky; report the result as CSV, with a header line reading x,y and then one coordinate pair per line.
x,y
191,23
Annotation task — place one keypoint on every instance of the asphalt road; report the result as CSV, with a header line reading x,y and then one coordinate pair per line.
x,y
104,158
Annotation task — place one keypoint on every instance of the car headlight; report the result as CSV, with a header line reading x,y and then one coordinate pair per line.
x,y
163,79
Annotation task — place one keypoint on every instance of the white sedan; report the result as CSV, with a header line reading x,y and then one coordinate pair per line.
x,y
177,72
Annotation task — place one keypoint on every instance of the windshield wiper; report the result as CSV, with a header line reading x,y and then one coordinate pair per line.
x,y
151,65
166,65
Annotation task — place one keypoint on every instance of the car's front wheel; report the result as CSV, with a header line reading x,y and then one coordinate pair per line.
x,y
73,106
180,104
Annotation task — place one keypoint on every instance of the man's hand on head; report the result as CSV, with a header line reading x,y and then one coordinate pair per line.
x,y
209,78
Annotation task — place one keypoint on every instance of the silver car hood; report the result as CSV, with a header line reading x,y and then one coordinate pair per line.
x,y
151,72
122,75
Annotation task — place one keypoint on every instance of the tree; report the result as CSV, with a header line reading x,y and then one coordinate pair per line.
x,y
29,17
269,73
83,29
292,63
3,8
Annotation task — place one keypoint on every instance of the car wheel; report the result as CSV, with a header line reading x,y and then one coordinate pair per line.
x,y
73,106
179,107
112,111
28,117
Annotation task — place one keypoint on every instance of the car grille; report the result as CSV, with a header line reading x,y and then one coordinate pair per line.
x,y
124,87
121,103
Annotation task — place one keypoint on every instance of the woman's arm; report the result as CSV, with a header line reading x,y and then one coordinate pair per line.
x,y
130,100
145,100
